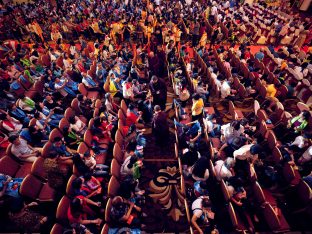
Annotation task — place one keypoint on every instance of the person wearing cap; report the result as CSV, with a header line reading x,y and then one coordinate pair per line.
x,y
201,209
160,126
158,89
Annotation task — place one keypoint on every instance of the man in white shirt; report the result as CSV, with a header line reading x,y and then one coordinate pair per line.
x,y
223,168
201,209
22,150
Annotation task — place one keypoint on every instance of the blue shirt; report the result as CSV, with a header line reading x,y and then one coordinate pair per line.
x,y
12,187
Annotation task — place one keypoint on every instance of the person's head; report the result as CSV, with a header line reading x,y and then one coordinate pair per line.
x,y
77,183
154,79
235,125
117,201
157,109
131,106
72,120
80,97
196,97
57,142
14,139
206,203
76,207
32,129
133,160
229,162
306,115
256,149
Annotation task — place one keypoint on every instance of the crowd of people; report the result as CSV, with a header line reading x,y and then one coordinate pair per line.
x,y
81,81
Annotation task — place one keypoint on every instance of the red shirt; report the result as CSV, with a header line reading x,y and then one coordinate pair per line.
x,y
131,118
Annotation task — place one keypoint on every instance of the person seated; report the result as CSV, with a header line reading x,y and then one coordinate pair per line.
x,y
71,139
131,165
22,150
201,188
211,126
202,214
77,125
33,136
10,124
9,192
18,114
26,104
64,156
98,170
125,213
89,83
200,170
224,169
134,117
80,213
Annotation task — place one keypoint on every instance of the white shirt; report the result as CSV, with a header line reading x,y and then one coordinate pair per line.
x,y
21,149
225,90
124,170
222,172
58,86
243,152
214,10
307,155
299,141
197,208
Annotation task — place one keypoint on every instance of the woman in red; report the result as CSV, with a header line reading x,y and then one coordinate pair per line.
x,y
79,211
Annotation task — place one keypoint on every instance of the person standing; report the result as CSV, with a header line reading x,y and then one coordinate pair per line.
x,y
160,126
159,92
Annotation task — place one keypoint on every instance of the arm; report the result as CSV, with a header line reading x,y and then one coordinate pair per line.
x,y
126,216
193,221
221,149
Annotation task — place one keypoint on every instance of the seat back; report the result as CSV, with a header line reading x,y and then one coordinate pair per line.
x,y
75,105
276,155
271,140
270,217
304,193
57,229
55,133
105,229
9,166
187,211
46,149
31,187
82,89
83,148
118,154
108,210
123,107
232,215
63,123
115,168
119,138
113,187
69,186
87,137
61,211
212,170
69,113
258,193
225,192
38,169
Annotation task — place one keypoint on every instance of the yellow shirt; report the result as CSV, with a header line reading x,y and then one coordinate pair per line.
x,y
112,88
197,107
271,90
